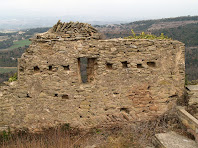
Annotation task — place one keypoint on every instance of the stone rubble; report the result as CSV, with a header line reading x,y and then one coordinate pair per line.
x,y
70,31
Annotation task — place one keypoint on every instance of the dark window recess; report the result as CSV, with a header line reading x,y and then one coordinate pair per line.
x,y
151,64
82,63
139,66
36,69
28,96
50,68
87,67
55,95
66,67
125,64
173,96
65,97
109,66
125,110
21,69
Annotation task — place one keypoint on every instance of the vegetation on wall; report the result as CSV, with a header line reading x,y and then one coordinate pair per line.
x,y
6,73
5,76
13,78
144,35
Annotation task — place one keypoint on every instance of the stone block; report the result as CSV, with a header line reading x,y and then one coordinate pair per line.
x,y
173,140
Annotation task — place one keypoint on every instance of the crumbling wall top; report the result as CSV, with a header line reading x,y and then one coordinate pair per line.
x,y
70,31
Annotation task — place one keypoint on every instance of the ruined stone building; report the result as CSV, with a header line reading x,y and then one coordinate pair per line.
x,y
69,75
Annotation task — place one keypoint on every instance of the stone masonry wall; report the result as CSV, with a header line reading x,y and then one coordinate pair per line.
x,y
128,80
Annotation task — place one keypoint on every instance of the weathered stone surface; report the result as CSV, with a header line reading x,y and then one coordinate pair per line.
x,y
189,121
127,80
192,87
68,31
174,140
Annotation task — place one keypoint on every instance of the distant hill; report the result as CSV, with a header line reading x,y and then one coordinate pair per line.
x,y
179,28
187,34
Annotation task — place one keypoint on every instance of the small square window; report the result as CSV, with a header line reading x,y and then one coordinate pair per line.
x,y
151,64
139,66
65,97
125,64
36,69
66,67
109,66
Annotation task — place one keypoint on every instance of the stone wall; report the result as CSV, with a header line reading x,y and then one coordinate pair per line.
x,y
126,80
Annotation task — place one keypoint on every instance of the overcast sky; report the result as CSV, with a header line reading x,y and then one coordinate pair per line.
x,y
100,8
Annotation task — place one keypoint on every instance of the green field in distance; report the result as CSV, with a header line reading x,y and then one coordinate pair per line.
x,y
20,43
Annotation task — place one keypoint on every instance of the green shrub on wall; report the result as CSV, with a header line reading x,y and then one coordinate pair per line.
x,y
144,35
13,78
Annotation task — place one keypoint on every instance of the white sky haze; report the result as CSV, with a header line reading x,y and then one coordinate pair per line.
x,y
100,8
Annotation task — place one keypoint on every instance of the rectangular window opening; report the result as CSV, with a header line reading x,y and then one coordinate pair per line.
x,y
87,68
109,66
124,64
139,66
36,69
66,67
50,68
151,64
21,69
65,97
